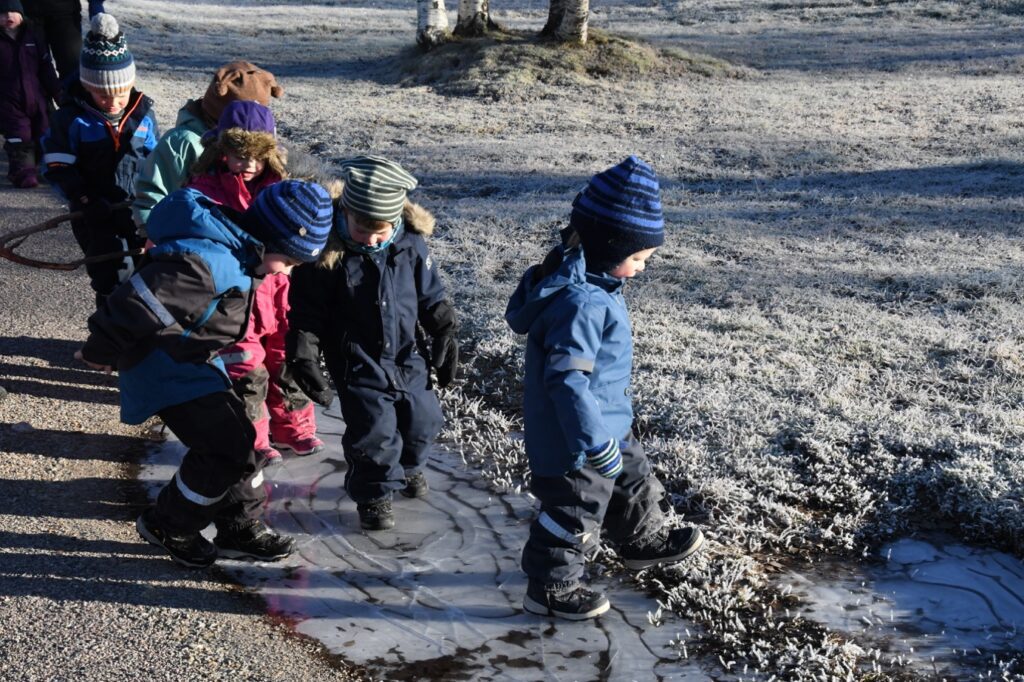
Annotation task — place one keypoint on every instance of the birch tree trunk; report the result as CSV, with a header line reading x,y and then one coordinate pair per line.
x,y
474,18
567,21
432,20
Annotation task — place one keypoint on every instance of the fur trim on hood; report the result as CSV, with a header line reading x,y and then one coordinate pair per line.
x,y
247,144
415,217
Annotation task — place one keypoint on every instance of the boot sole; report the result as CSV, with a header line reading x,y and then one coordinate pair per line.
x,y
239,554
387,525
638,564
143,532
539,609
416,494
299,453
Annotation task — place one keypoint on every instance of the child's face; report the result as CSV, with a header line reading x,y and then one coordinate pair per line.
x,y
632,265
276,263
10,20
368,232
107,103
247,168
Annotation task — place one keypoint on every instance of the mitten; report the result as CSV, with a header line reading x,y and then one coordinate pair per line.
x,y
123,225
607,459
97,212
302,356
444,356
95,7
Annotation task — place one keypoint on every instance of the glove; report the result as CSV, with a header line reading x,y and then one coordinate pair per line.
x,y
97,212
444,357
95,7
302,356
607,459
123,225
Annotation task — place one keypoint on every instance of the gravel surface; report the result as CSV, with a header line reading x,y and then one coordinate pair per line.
x,y
81,597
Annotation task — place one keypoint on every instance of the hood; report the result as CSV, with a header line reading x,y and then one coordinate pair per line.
x,y
188,214
190,118
415,219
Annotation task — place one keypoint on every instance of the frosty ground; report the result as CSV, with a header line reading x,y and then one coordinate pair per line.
x,y
829,348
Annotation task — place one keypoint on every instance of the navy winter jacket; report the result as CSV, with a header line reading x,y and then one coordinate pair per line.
x,y
579,356
85,155
365,310
192,297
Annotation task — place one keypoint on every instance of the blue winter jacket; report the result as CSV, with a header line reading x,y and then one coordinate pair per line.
x,y
190,298
579,356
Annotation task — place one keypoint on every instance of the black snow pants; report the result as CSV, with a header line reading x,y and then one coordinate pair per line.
x,y
577,506
219,479
387,435
99,240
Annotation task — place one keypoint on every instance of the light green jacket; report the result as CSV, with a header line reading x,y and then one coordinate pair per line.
x,y
167,166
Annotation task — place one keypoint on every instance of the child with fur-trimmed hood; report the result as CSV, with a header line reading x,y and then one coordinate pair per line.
x,y
241,158
366,305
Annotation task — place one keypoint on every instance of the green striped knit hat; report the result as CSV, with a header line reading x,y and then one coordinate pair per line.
x,y
375,187
106,64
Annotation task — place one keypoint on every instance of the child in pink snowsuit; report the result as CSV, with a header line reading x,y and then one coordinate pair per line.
x,y
241,157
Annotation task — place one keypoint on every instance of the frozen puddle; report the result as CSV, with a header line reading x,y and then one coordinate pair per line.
x,y
440,596
934,605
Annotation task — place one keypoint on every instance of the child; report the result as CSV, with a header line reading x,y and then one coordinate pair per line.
x,y
241,158
168,167
27,84
588,470
361,304
163,328
99,138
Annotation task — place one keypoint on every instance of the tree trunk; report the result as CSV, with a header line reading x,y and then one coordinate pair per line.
x,y
432,23
556,10
474,18
573,27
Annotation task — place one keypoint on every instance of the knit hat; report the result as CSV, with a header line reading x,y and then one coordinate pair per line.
x,y
239,81
12,6
106,64
247,115
618,214
292,217
375,187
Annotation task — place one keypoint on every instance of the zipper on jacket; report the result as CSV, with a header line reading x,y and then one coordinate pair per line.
x,y
120,126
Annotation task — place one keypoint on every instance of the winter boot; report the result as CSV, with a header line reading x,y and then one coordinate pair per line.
x,y
310,445
665,546
376,514
415,485
21,164
191,549
268,457
578,603
253,541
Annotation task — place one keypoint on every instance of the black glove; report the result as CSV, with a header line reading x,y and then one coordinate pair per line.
x,y
302,355
123,224
444,356
97,212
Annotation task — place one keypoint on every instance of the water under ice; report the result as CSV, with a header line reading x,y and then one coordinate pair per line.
x,y
440,596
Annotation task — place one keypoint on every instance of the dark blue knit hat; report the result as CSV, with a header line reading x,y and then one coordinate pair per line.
x,y
12,6
618,214
106,64
293,218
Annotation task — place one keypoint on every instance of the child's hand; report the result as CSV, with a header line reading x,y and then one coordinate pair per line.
x,y
106,369
607,459
444,356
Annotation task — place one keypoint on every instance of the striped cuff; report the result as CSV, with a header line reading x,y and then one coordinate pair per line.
x,y
607,459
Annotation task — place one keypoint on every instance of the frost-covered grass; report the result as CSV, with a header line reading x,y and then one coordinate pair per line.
x,y
829,347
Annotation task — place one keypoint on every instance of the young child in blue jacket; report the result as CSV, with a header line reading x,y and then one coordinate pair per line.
x,y
363,305
96,144
589,472
162,330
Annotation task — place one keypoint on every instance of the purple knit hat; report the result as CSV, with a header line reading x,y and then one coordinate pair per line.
x,y
250,116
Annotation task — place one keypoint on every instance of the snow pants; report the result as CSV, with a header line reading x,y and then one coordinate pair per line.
x,y
575,507
278,409
387,433
62,25
99,240
219,479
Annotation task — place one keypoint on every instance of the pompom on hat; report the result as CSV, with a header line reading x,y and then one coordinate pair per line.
x,y
618,214
375,187
106,64
292,217
239,81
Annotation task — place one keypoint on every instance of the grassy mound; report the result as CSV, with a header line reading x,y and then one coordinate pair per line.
x,y
516,64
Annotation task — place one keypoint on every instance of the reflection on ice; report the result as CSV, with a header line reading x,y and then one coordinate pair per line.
x,y
927,602
440,596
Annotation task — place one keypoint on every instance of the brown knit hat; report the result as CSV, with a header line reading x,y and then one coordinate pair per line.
x,y
239,81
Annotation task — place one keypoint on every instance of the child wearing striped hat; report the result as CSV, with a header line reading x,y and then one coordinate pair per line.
x,y
375,285
97,142
589,472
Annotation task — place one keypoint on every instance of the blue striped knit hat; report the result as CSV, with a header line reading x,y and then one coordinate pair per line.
x,y
106,64
292,217
618,214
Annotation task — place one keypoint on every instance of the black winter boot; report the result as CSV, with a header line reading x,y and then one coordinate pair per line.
x,y
21,160
665,546
578,603
253,541
415,485
376,514
191,549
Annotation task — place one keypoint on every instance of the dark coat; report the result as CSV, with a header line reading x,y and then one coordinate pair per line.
x,y
84,155
364,311
27,77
